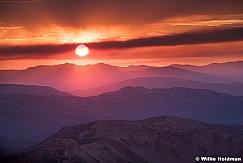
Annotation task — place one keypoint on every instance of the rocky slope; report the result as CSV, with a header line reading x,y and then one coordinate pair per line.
x,y
159,139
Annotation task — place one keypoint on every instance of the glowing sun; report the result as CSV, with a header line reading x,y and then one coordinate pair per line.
x,y
82,50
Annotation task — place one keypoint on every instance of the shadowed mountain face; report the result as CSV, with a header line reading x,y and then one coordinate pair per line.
x,y
160,82
27,119
69,77
159,139
30,90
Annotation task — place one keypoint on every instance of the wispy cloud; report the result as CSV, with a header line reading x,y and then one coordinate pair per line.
x,y
83,13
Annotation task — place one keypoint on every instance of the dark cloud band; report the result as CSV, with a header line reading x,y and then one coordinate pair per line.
x,y
40,51
43,51
225,35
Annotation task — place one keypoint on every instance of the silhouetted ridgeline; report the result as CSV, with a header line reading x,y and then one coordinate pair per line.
x,y
70,77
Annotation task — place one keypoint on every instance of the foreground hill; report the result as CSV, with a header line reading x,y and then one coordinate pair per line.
x,y
28,119
159,139
163,82
30,90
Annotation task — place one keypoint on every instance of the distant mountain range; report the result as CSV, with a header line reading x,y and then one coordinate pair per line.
x,y
27,119
163,82
70,77
233,70
158,139
64,77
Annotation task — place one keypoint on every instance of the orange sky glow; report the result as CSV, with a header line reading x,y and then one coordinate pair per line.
x,y
116,25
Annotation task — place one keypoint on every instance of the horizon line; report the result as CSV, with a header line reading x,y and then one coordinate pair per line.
x,y
112,65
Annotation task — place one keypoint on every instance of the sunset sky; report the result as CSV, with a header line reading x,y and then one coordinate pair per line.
x,y
120,32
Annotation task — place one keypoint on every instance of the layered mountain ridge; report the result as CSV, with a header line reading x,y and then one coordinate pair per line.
x,y
31,118
70,77
163,82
